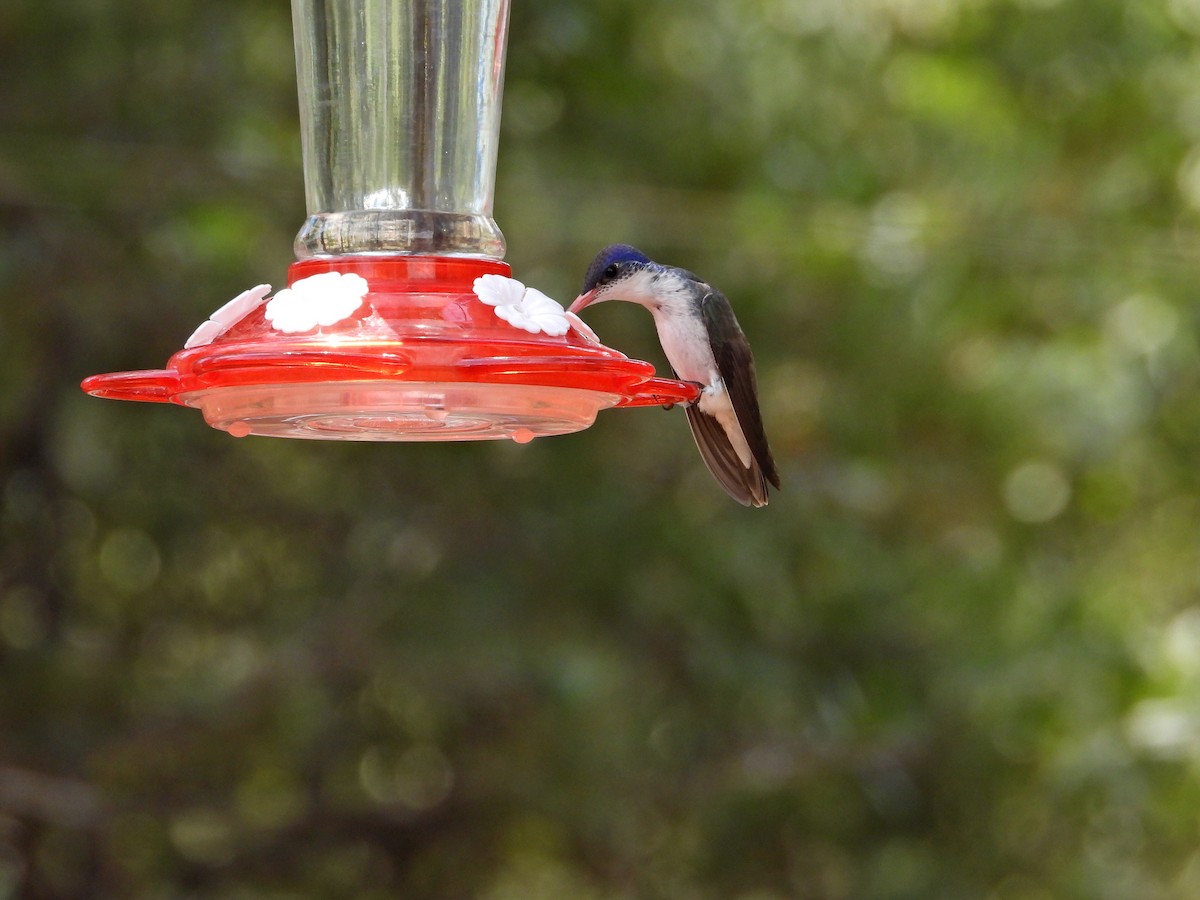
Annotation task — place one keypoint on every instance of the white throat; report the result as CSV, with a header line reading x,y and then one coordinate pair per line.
x,y
656,289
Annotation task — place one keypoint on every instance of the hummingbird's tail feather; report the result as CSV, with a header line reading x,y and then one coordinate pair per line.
x,y
745,484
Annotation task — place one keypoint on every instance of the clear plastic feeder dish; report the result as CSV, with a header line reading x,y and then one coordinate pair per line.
x,y
421,359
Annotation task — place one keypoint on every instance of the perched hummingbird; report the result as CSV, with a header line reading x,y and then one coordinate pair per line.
x,y
705,345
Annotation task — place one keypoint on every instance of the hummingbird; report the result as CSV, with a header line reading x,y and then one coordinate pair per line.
x,y
704,345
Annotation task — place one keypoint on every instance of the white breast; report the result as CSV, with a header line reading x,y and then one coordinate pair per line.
x,y
685,342
680,331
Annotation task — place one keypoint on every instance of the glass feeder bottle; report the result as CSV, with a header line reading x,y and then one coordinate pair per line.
x,y
400,124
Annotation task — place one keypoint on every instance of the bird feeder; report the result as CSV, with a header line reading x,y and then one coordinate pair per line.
x,y
400,114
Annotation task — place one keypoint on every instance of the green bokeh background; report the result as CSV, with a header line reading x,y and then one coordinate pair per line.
x,y
958,656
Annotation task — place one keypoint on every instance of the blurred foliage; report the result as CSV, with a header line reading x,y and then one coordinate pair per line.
x,y
959,654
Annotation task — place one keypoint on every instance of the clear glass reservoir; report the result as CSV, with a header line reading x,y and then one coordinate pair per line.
x,y
400,120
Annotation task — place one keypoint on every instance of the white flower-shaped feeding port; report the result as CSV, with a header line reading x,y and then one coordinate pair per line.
x,y
318,301
528,308
228,316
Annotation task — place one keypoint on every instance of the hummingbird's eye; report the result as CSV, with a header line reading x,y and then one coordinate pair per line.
x,y
610,271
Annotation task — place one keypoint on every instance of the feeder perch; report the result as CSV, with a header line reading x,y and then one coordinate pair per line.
x,y
400,113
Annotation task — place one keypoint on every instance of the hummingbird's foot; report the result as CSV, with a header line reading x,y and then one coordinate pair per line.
x,y
701,387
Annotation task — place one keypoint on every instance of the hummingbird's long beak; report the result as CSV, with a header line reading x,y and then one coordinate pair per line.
x,y
581,301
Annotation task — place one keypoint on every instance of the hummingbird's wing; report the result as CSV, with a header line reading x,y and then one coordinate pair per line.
x,y
745,485
735,362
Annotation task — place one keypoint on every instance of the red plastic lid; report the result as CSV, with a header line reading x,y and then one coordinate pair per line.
x,y
407,353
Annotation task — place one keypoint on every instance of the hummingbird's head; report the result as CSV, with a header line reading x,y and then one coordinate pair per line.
x,y
611,276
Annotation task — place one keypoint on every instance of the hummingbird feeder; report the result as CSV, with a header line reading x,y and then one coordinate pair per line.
x,y
400,321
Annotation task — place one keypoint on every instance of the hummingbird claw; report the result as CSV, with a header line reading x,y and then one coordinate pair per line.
x,y
701,387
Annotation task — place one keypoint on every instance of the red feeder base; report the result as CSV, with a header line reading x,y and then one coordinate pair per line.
x,y
422,359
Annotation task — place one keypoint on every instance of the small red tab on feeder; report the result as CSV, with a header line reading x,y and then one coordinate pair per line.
x,y
418,358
